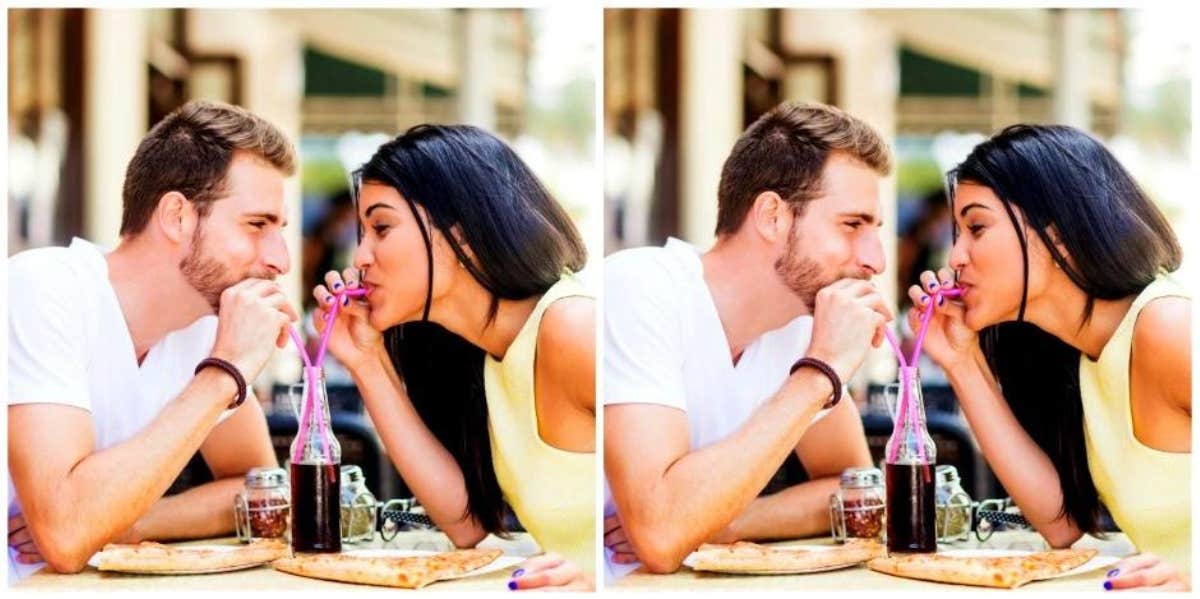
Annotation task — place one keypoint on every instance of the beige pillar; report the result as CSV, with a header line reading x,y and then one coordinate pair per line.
x,y
1070,47
115,114
711,113
476,92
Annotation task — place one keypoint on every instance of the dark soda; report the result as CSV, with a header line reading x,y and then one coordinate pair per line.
x,y
911,508
316,508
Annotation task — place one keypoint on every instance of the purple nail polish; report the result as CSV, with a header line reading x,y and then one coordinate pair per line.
x,y
345,300
329,299
1108,585
924,299
941,300
337,285
512,585
519,572
933,284
1113,572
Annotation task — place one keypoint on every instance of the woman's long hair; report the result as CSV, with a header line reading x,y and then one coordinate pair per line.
x,y
522,242
1117,241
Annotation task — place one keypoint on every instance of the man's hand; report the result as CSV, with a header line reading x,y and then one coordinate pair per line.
x,y
251,323
615,540
847,321
550,572
20,539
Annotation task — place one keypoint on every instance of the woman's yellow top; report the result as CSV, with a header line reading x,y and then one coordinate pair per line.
x,y
1147,491
551,490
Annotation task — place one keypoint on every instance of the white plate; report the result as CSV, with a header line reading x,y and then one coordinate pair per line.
x,y
1096,563
500,563
94,562
690,561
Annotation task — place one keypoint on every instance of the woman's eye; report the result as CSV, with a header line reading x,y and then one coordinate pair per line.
x,y
975,229
379,229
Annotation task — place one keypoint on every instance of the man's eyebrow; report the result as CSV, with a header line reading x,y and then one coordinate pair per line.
x,y
270,217
864,216
377,205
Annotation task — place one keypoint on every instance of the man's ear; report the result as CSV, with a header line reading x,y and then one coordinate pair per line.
x,y
771,217
175,217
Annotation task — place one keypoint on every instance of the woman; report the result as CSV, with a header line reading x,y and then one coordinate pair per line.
x,y
1069,349
469,264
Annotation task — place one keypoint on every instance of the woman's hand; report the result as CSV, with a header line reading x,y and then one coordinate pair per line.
x,y
1145,572
948,341
353,341
21,539
550,572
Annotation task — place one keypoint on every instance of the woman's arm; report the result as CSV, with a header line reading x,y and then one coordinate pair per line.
x,y
1022,467
565,375
424,463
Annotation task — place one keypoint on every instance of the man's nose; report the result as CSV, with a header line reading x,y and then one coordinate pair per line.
x,y
870,256
275,255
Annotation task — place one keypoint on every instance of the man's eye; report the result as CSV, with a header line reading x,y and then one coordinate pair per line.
x,y
258,224
853,224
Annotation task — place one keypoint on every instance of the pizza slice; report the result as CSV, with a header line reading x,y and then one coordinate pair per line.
x,y
410,572
752,558
1001,572
151,558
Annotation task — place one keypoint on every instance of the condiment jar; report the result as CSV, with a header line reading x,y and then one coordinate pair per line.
x,y
261,510
856,511
358,506
953,506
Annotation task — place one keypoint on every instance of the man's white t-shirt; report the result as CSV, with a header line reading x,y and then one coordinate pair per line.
x,y
68,344
664,344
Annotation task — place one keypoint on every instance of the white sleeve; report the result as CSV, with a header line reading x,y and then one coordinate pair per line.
x,y
643,338
47,344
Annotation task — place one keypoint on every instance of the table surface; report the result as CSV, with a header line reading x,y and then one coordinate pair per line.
x,y
267,578
861,578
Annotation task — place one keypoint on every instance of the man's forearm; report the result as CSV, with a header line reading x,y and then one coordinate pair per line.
x,y
702,492
796,512
204,511
97,499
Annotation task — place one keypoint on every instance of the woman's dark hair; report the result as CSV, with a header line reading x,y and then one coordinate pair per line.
x,y
1117,242
522,242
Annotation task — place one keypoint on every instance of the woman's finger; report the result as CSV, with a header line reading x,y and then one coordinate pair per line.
x,y
322,295
929,282
945,277
616,535
918,296
1159,573
350,276
560,575
333,279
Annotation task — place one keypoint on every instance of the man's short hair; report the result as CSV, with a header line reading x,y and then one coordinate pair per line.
x,y
190,151
785,151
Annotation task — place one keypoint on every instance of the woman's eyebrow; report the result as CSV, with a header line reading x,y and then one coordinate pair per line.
x,y
372,207
963,212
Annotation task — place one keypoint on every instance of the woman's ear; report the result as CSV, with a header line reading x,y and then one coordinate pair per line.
x,y
771,217
461,241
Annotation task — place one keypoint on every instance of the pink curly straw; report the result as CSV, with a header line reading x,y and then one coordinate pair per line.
x,y
312,373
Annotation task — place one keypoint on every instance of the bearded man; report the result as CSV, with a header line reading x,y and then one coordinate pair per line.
x,y
124,363
719,364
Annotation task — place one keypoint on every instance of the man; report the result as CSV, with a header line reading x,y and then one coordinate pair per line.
x,y
700,408
106,403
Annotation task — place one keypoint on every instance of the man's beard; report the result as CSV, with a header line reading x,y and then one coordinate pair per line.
x,y
207,276
803,275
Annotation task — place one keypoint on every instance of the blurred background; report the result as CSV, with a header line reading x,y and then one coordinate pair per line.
x,y
84,86
681,85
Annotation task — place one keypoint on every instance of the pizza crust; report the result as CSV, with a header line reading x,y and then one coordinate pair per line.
x,y
156,558
752,558
412,572
1000,572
